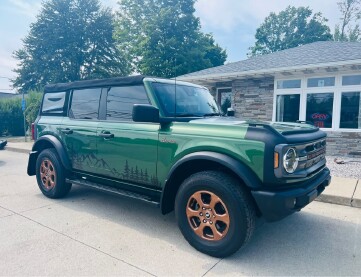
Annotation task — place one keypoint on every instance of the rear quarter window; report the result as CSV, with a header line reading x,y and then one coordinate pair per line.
x,y
54,103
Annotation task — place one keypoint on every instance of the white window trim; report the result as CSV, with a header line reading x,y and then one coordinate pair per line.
x,y
337,91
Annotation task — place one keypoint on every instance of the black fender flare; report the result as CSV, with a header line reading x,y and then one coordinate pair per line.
x,y
249,178
37,147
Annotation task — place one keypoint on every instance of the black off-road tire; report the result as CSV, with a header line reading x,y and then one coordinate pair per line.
x,y
229,192
50,174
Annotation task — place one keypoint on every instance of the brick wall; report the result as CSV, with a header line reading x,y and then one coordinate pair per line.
x,y
253,98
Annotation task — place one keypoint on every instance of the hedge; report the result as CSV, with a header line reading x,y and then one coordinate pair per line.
x,y
11,114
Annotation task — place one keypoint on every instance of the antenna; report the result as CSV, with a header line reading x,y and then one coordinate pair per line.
x,y
175,86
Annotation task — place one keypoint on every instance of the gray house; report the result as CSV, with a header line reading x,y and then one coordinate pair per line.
x,y
319,83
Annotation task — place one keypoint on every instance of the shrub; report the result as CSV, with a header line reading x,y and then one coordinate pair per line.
x,y
11,117
11,114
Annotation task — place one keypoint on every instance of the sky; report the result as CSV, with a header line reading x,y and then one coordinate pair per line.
x,y
233,24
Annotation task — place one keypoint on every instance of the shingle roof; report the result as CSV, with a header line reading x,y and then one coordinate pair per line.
x,y
321,52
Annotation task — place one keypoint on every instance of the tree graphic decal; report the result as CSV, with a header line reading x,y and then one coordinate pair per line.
x,y
139,175
136,173
146,177
131,176
129,173
126,170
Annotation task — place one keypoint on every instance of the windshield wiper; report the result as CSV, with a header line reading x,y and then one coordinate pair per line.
x,y
212,114
197,115
188,115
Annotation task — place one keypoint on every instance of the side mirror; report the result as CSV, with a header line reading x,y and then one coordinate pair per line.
x,y
145,113
230,112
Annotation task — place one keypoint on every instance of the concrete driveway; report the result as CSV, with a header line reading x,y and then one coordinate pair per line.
x,y
93,233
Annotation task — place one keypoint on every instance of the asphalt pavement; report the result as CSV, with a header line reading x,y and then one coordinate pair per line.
x,y
94,233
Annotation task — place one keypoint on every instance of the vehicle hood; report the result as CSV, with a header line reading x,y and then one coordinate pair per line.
x,y
283,128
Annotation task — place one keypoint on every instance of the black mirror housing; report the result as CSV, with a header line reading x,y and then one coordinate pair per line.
x,y
145,113
230,112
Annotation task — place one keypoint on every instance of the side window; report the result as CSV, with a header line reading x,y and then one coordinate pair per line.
x,y
120,101
53,103
85,103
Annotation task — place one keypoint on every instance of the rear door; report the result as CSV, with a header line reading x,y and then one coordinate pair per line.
x,y
79,129
127,150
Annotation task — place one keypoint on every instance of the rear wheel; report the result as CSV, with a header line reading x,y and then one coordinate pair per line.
x,y
214,213
50,174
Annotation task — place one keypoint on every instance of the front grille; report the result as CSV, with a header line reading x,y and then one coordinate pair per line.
x,y
316,154
311,154
315,146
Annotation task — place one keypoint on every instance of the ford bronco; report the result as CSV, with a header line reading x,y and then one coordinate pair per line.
x,y
165,142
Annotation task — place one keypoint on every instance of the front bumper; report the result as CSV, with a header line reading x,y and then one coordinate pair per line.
x,y
275,205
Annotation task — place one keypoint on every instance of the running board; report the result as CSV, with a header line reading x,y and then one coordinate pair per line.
x,y
114,190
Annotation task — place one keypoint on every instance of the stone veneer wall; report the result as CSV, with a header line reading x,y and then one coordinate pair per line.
x,y
253,98
344,144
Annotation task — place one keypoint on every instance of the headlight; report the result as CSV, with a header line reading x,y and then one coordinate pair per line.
x,y
290,160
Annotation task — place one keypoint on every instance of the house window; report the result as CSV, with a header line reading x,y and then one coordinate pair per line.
x,y
351,110
321,82
224,98
319,109
288,108
332,103
352,80
288,84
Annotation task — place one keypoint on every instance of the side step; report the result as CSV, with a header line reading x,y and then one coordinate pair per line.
x,y
114,190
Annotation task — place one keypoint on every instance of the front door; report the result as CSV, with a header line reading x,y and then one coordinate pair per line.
x,y
127,150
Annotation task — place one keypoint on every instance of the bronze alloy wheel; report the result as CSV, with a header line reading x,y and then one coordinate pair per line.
x,y
208,215
47,174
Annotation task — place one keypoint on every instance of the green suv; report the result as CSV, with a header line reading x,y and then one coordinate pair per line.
x,y
166,143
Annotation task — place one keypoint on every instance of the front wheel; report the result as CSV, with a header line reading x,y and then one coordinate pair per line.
x,y
50,174
214,213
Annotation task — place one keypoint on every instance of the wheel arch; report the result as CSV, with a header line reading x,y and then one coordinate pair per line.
x,y
202,161
46,142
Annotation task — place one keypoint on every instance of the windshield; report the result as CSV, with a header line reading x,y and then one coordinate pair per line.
x,y
183,100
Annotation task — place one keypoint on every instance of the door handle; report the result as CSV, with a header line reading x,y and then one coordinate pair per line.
x,y
67,131
106,135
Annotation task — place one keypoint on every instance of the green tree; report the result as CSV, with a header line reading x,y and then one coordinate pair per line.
x,y
163,38
33,101
70,40
348,29
290,28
